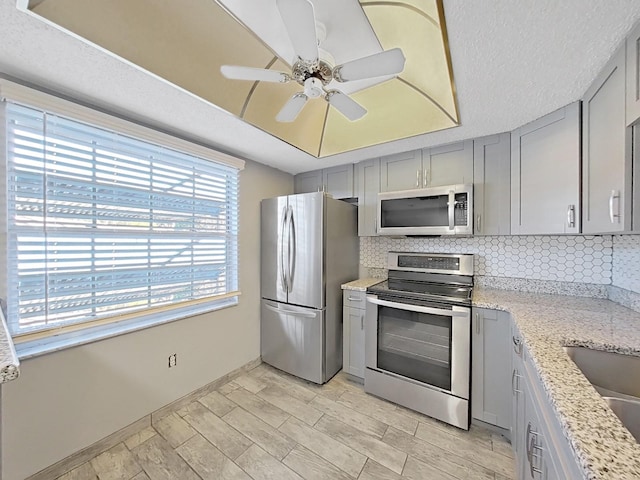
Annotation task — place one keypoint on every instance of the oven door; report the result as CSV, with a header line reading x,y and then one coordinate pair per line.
x,y
424,344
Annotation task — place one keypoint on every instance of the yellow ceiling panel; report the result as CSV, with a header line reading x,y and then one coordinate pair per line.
x,y
187,41
427,69
409,113
183,42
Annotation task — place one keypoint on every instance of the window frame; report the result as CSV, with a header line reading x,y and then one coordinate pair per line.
x,y
36,342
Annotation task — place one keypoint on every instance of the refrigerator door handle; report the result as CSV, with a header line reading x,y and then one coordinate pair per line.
x,y
292,249
290,312
283,276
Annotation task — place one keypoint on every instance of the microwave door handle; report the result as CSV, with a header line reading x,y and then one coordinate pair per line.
x,y
416,308
451,207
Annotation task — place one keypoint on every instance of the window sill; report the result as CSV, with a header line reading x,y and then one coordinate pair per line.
x,y
60,341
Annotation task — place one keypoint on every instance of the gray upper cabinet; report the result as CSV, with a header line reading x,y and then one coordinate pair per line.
x,y
491,368
606,152
633,76
336,181
448,165
308,182
492,184
430,167
402,171
545,174
368,180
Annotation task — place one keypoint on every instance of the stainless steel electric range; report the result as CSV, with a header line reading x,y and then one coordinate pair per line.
x,y
418,335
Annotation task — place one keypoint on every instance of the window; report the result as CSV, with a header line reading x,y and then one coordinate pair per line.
x,y
101,225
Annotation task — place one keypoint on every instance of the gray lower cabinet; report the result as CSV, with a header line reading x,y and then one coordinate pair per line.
x,y
353,309
368,180
336,181
545,174
606,152
490,367
492,185
633,76
542,451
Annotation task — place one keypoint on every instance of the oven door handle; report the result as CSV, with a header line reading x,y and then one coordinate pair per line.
x,y
418,308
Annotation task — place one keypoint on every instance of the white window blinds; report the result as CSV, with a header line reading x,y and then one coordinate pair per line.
x,y
101,224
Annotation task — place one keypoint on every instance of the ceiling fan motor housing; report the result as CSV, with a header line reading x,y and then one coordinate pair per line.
x,y
321,70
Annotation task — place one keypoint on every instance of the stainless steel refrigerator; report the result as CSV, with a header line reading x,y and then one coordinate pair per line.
x,y
309,248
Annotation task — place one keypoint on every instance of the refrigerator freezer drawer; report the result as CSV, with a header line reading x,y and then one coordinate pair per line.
x,y
292,339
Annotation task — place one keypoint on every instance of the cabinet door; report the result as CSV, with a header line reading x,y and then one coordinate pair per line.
x,y
492,184
534,444
606,155
491,374
401,172
338,181
355,318
633,76
308,182
368,189
448,165
545,174
517,398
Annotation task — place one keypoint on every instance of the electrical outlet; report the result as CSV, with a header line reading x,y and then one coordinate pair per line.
x,y
173,360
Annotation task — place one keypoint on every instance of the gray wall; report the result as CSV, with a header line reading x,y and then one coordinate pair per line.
x,y
67,400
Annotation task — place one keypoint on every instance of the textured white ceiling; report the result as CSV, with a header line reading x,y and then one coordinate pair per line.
x,y
513,61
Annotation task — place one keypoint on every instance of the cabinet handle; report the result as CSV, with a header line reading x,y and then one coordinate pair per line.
x,y
361,322
479,223
531,446
614,194
354,299
571,216
418,178
514,380
517,345
477,324
425,179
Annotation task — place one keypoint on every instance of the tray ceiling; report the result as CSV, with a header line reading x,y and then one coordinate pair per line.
x,y
186,42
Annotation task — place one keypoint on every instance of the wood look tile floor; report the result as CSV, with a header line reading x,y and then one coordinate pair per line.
x,y
267,425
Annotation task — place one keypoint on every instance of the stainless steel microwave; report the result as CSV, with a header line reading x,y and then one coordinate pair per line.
x,y
444,210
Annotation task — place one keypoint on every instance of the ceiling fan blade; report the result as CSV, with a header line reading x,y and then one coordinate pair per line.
x,y
346,105
292,108
236,72
300,22
389,62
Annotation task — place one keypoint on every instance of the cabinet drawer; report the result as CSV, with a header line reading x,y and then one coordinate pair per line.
x,y
354,299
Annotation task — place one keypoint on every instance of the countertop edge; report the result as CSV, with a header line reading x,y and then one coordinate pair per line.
x,y
9,363
552,366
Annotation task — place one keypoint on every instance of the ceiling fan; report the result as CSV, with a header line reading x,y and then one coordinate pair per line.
x,y
313,68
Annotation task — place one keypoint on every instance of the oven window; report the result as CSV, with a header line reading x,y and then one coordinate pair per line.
x,y
415,345
415,212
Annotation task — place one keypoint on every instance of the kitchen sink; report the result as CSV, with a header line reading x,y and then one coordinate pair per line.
x,y
628,411
612,374
617,378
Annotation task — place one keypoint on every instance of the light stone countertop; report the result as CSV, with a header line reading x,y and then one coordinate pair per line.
x,y
603,447
9,363
361,284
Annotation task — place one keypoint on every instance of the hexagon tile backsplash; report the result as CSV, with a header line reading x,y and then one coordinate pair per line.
x,y
584,259
626,262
